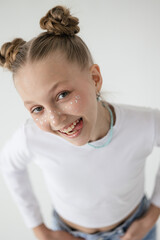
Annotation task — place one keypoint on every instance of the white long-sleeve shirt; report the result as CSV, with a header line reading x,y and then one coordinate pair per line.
x,y
90,187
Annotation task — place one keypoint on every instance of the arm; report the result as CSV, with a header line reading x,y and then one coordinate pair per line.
x,y
41,231
140,227
14,158
151,216
44,233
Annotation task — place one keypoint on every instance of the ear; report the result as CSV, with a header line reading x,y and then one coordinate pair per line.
x,y
96,76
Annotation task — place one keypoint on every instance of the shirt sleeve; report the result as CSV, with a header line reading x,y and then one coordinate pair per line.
x,y
155,198
14,158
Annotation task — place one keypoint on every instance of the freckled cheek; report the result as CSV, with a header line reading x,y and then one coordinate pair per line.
x,y
73,107
41,123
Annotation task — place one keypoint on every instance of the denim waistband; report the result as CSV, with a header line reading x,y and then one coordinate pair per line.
x,y
142,208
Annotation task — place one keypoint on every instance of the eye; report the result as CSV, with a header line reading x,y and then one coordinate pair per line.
x,y
37,110
63,94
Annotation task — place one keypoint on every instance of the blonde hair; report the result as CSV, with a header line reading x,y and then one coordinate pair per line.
x,y
60,35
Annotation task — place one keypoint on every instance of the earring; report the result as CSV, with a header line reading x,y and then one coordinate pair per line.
x,y
99,97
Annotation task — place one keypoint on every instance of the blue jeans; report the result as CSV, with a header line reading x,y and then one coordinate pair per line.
x,y
114,234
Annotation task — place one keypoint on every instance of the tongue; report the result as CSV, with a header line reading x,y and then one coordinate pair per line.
x,y
78,126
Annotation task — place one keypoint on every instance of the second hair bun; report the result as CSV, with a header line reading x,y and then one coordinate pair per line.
x,y
59,22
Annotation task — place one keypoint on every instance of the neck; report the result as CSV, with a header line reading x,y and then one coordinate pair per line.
x,y
103,122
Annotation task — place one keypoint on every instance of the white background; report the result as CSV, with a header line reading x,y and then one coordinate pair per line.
x,y
124,38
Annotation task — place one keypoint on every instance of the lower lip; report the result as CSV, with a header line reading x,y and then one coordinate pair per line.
x,y
77,133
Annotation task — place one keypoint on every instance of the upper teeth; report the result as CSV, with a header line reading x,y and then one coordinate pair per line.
x,y
70,128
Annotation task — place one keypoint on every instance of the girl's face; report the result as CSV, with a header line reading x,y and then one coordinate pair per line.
x,y
61,98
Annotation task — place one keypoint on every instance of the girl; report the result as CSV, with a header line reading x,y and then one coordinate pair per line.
x,y
92,153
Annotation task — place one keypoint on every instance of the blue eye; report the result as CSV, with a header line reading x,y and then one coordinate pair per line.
x,y
37,109
64,94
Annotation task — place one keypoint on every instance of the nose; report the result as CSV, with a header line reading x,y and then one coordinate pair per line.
x,y
56,119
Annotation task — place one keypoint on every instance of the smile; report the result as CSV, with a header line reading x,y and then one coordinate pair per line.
x,y
74,130
70,128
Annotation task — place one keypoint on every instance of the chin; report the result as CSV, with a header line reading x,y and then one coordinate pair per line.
x,y
78,144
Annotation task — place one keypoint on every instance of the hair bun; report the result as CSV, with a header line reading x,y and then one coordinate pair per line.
x,y
59,22
9,51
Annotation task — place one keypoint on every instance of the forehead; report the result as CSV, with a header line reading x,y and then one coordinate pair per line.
x,y
40,76
43,69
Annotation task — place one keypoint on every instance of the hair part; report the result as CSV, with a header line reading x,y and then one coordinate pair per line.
x,y
73,48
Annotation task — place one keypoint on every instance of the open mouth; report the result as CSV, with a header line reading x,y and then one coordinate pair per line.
x,y
74,130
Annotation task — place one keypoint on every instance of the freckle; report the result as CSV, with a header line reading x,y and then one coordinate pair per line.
x,y
77,97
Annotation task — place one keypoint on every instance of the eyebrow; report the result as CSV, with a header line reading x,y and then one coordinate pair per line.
x,y
52,88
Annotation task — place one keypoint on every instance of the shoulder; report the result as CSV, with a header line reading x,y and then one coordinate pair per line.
x,y
135,112
18,139
134,108
15,153
137,117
